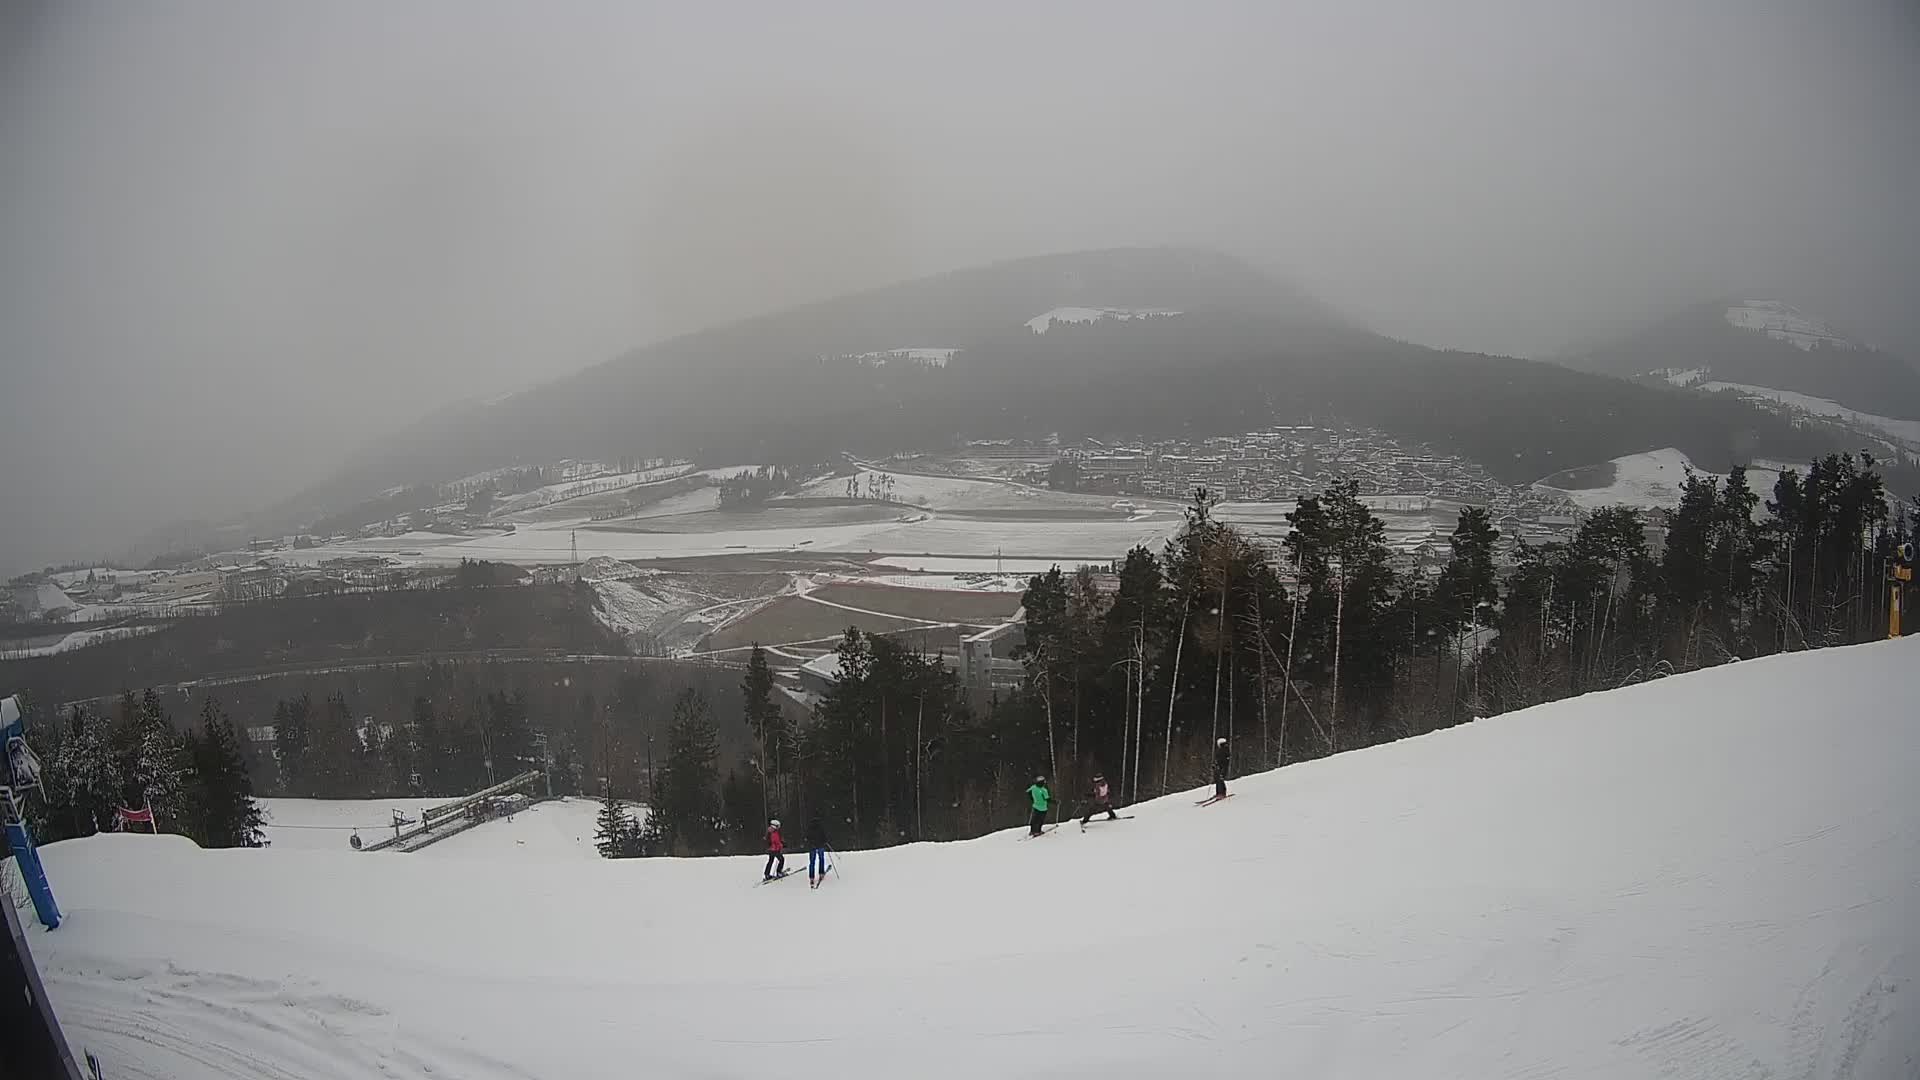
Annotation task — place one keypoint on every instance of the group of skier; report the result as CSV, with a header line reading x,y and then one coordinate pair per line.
x,y
1099,801
816,840
1100,794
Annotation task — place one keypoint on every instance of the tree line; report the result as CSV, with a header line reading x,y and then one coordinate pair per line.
x,y
323,750
1291,651
1317,645
753,487
195,781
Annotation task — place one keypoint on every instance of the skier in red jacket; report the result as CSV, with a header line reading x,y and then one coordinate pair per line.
x,y
776,849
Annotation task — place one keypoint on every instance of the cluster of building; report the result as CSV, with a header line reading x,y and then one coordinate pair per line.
x,y
1260,474
1418,492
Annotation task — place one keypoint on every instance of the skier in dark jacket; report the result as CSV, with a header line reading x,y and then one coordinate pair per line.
x,y
1099,797
1042,799
776,852
816,851
1220,768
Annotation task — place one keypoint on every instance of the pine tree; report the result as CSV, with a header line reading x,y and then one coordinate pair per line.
x,y
161,772
335,753
1692,593
87,773
1347,626
689,805
613,830
649,836
429,749
566,766
400,760
831,744
743,805
508,736
767,723
1469,584
292,731
227,813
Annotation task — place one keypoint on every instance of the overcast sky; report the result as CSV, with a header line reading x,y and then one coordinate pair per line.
x,y
235,238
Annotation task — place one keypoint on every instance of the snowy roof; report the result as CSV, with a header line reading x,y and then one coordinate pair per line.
x,y
825,666
50,598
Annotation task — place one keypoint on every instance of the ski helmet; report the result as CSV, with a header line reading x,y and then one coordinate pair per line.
x,y
1039,779
1219,742
775,823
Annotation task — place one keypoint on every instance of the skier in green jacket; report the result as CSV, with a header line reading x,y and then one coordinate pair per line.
x,y
1042,799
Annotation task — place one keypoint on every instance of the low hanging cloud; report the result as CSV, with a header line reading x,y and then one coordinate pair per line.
x,y
238,240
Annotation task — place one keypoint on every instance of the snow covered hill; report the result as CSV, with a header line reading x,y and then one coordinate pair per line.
x,y
1783,322
1713,875
1771,349
1650,479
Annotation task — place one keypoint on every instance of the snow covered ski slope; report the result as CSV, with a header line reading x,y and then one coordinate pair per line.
x,y
1713,875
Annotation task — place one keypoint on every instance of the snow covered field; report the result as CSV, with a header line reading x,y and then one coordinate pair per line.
x,y
1783,322
562,828
571,489
1644,480
1670,880
1046,525
551,542
964,565
80,639
557,829
326,824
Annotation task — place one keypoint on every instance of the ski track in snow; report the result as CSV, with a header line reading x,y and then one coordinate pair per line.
x,y
1670,880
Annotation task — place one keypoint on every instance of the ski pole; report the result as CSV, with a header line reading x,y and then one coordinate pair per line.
x,y
835,864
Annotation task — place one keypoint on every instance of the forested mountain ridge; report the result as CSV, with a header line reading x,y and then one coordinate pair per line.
x,y
1760,342
1217,346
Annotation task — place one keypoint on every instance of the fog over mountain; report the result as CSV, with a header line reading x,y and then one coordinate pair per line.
x,y
241,243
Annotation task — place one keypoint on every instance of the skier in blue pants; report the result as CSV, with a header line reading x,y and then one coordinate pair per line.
x,y
816,851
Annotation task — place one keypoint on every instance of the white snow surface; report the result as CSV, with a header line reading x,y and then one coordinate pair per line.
x,y
1044,321
974,565
1650,479
914,530
553,493
560,828
554,829
1670,880
80,639
1785,323
327,824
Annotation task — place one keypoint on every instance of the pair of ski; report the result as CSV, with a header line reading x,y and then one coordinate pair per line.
x,y
1098,820
787,874
1211,799
1083,827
